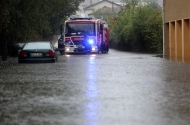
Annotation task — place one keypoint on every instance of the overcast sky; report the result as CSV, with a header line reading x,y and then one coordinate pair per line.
x,y
87,2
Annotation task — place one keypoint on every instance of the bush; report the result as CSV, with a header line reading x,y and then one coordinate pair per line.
x,y
138,29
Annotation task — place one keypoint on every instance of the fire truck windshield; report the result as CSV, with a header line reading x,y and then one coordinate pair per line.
x,y
79,29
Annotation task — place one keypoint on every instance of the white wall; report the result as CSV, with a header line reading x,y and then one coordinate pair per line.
x,y
99,6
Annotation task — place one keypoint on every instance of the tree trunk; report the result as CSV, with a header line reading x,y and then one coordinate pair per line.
x,y
4,43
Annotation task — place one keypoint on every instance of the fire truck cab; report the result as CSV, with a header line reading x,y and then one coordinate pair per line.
x,y
82,35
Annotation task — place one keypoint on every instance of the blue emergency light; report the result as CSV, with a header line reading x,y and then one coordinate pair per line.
x,y
91,41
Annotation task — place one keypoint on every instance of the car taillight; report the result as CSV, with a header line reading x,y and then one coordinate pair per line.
x,y
50,53
23,54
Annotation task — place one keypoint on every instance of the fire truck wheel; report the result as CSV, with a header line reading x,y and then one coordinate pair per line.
x,y
102,48
107,49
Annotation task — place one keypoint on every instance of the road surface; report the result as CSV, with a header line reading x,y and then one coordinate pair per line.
x,y
119,88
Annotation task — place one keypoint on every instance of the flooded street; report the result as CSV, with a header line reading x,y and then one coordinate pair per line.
x,y
119,88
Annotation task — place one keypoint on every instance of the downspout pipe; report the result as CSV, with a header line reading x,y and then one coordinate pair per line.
x,y
163,23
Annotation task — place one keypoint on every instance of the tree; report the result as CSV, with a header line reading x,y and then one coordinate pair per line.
x,y
34,19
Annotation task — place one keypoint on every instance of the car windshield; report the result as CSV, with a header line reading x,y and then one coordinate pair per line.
x,y
80,29
37,45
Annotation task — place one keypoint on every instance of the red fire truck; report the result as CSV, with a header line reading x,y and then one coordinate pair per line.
x,y
82,35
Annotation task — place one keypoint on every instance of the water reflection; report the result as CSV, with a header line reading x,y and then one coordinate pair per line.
x,y
91,92
67,55
176,90
178,59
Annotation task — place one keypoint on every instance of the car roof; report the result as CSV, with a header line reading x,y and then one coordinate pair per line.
x,y
37,41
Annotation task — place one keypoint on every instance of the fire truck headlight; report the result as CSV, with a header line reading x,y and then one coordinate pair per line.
x,y
93,49
91,41
67,49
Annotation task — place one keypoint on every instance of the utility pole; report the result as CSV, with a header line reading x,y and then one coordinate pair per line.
x,y
163,22
90,2
112,6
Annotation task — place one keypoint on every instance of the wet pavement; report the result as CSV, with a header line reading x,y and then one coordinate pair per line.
x,y
119,88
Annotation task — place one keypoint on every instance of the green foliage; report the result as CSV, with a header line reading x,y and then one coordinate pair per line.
x,y
138,28
34,19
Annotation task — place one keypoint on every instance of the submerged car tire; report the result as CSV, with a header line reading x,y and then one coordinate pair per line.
x,y
53,61
19,61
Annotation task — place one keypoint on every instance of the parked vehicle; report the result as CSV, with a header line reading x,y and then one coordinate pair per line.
x,y
83,35
15,47
40,51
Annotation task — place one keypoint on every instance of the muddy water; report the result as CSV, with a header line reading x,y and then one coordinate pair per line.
x,y
118,88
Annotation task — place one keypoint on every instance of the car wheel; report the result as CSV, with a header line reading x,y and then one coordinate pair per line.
x,y
53,61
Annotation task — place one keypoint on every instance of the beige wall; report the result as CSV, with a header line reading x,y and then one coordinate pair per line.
x,y
176,9
177,29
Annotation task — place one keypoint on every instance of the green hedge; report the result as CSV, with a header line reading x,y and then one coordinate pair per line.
x,y
138,29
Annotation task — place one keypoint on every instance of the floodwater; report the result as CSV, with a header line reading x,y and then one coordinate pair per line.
x,y
119,88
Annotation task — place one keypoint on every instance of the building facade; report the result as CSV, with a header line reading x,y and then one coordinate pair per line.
x,y
177,29
87,10
99,5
